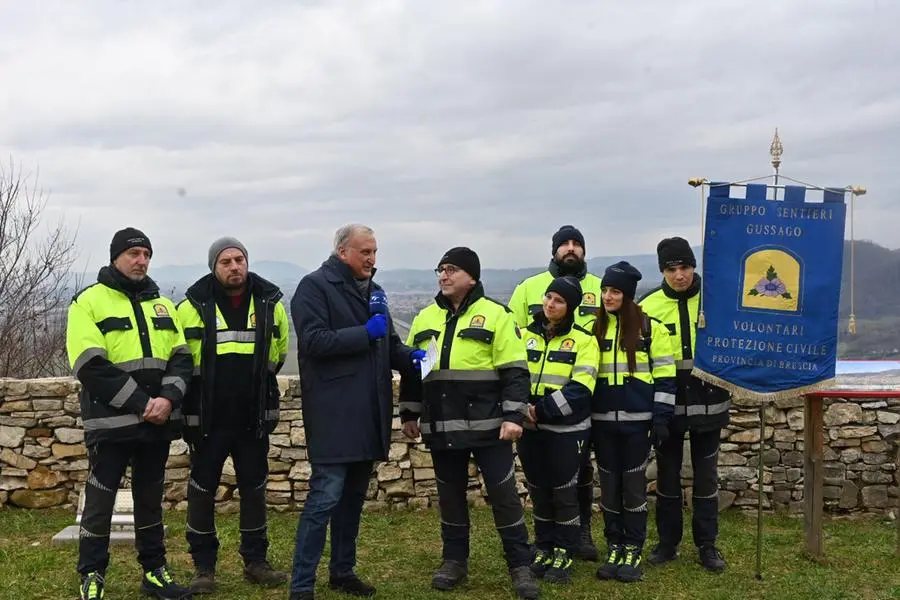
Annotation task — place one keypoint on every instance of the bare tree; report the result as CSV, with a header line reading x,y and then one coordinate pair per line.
x,y
36,283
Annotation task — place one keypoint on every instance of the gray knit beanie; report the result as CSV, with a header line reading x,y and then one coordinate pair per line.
x,y
221,245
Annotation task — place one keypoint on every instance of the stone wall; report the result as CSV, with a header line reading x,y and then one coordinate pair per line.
x,y
44,462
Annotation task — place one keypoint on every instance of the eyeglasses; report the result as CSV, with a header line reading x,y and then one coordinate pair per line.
x,y
449,269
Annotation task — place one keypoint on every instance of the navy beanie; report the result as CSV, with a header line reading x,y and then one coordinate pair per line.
x,y
570,289
622,276
566,233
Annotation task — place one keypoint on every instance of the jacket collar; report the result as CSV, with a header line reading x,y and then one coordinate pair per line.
x,y
686,294
475,294
111,277
539,321
206,288
557,271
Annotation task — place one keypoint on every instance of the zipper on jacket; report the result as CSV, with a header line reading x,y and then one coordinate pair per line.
x,y
615,380
541,372
143,332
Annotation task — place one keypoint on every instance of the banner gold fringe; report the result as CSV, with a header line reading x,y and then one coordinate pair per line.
x,y
743,393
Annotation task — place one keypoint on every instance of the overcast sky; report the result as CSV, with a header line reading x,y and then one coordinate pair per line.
x,y
486,123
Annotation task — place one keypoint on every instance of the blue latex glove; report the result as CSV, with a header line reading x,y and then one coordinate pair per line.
x,y
415,357
376,327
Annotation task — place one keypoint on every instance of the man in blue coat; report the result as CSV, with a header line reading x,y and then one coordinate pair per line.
x,y
347,347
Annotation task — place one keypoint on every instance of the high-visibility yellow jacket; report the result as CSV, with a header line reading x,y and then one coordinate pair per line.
x,y
126,346
698,405
481,379
563,375
528,298
626,400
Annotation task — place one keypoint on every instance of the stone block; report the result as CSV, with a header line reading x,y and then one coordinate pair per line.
x,y
842,413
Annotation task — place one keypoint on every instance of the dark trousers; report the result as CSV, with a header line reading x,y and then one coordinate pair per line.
x,y
451,469
586,484
336,494
705,496
249,455
622,460
552,463
108,461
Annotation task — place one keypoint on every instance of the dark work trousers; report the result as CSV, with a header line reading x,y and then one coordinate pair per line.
x,y
552,462
108,461
705,497
622,461
586,484
451,469
249,455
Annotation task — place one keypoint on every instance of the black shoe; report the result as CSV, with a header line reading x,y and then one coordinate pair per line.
x,y
587,550
262,574
351,584
451,574
204,581
614,558
711,559
541,562
560,570
630,569
524,583
302,596
160,584
92,586
661,554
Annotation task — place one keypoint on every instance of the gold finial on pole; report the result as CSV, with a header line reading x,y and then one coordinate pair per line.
x,y
776,149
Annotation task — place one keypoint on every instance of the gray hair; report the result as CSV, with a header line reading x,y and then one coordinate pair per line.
x,y
342,235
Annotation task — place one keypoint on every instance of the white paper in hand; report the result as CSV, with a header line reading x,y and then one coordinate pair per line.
x,y
431,358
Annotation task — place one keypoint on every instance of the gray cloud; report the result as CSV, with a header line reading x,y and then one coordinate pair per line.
x,y
486,124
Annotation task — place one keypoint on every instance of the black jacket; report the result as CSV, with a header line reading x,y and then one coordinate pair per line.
x,y
345,379
217,389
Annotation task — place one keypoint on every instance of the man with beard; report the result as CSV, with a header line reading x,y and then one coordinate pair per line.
x,y
527,300
700,408
237,330
126,348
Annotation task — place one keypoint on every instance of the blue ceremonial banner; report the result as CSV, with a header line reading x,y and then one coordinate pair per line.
x,y
771,290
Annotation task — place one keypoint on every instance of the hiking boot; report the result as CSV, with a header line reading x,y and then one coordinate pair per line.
x,y
302,596
262,574
630,569
560,570
204,581
614,558
541,562
160,584
451,574
661,554
351,584
711,559
586,548
524,583
92,586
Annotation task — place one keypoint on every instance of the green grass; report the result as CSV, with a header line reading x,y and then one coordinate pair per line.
x,y
399,550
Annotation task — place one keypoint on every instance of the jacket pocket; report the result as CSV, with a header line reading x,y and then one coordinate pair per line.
x,y
336,369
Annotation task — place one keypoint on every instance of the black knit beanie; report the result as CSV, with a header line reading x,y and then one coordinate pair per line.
x,y
128,238
566,233
465,259
674,251
570,289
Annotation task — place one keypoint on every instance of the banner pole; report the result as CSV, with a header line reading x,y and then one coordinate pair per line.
x,y
759,496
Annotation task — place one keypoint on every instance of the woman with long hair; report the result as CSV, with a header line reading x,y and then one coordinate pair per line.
x,y
634,398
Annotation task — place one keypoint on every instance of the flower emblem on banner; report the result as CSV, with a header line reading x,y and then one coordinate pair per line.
x,y
771,286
